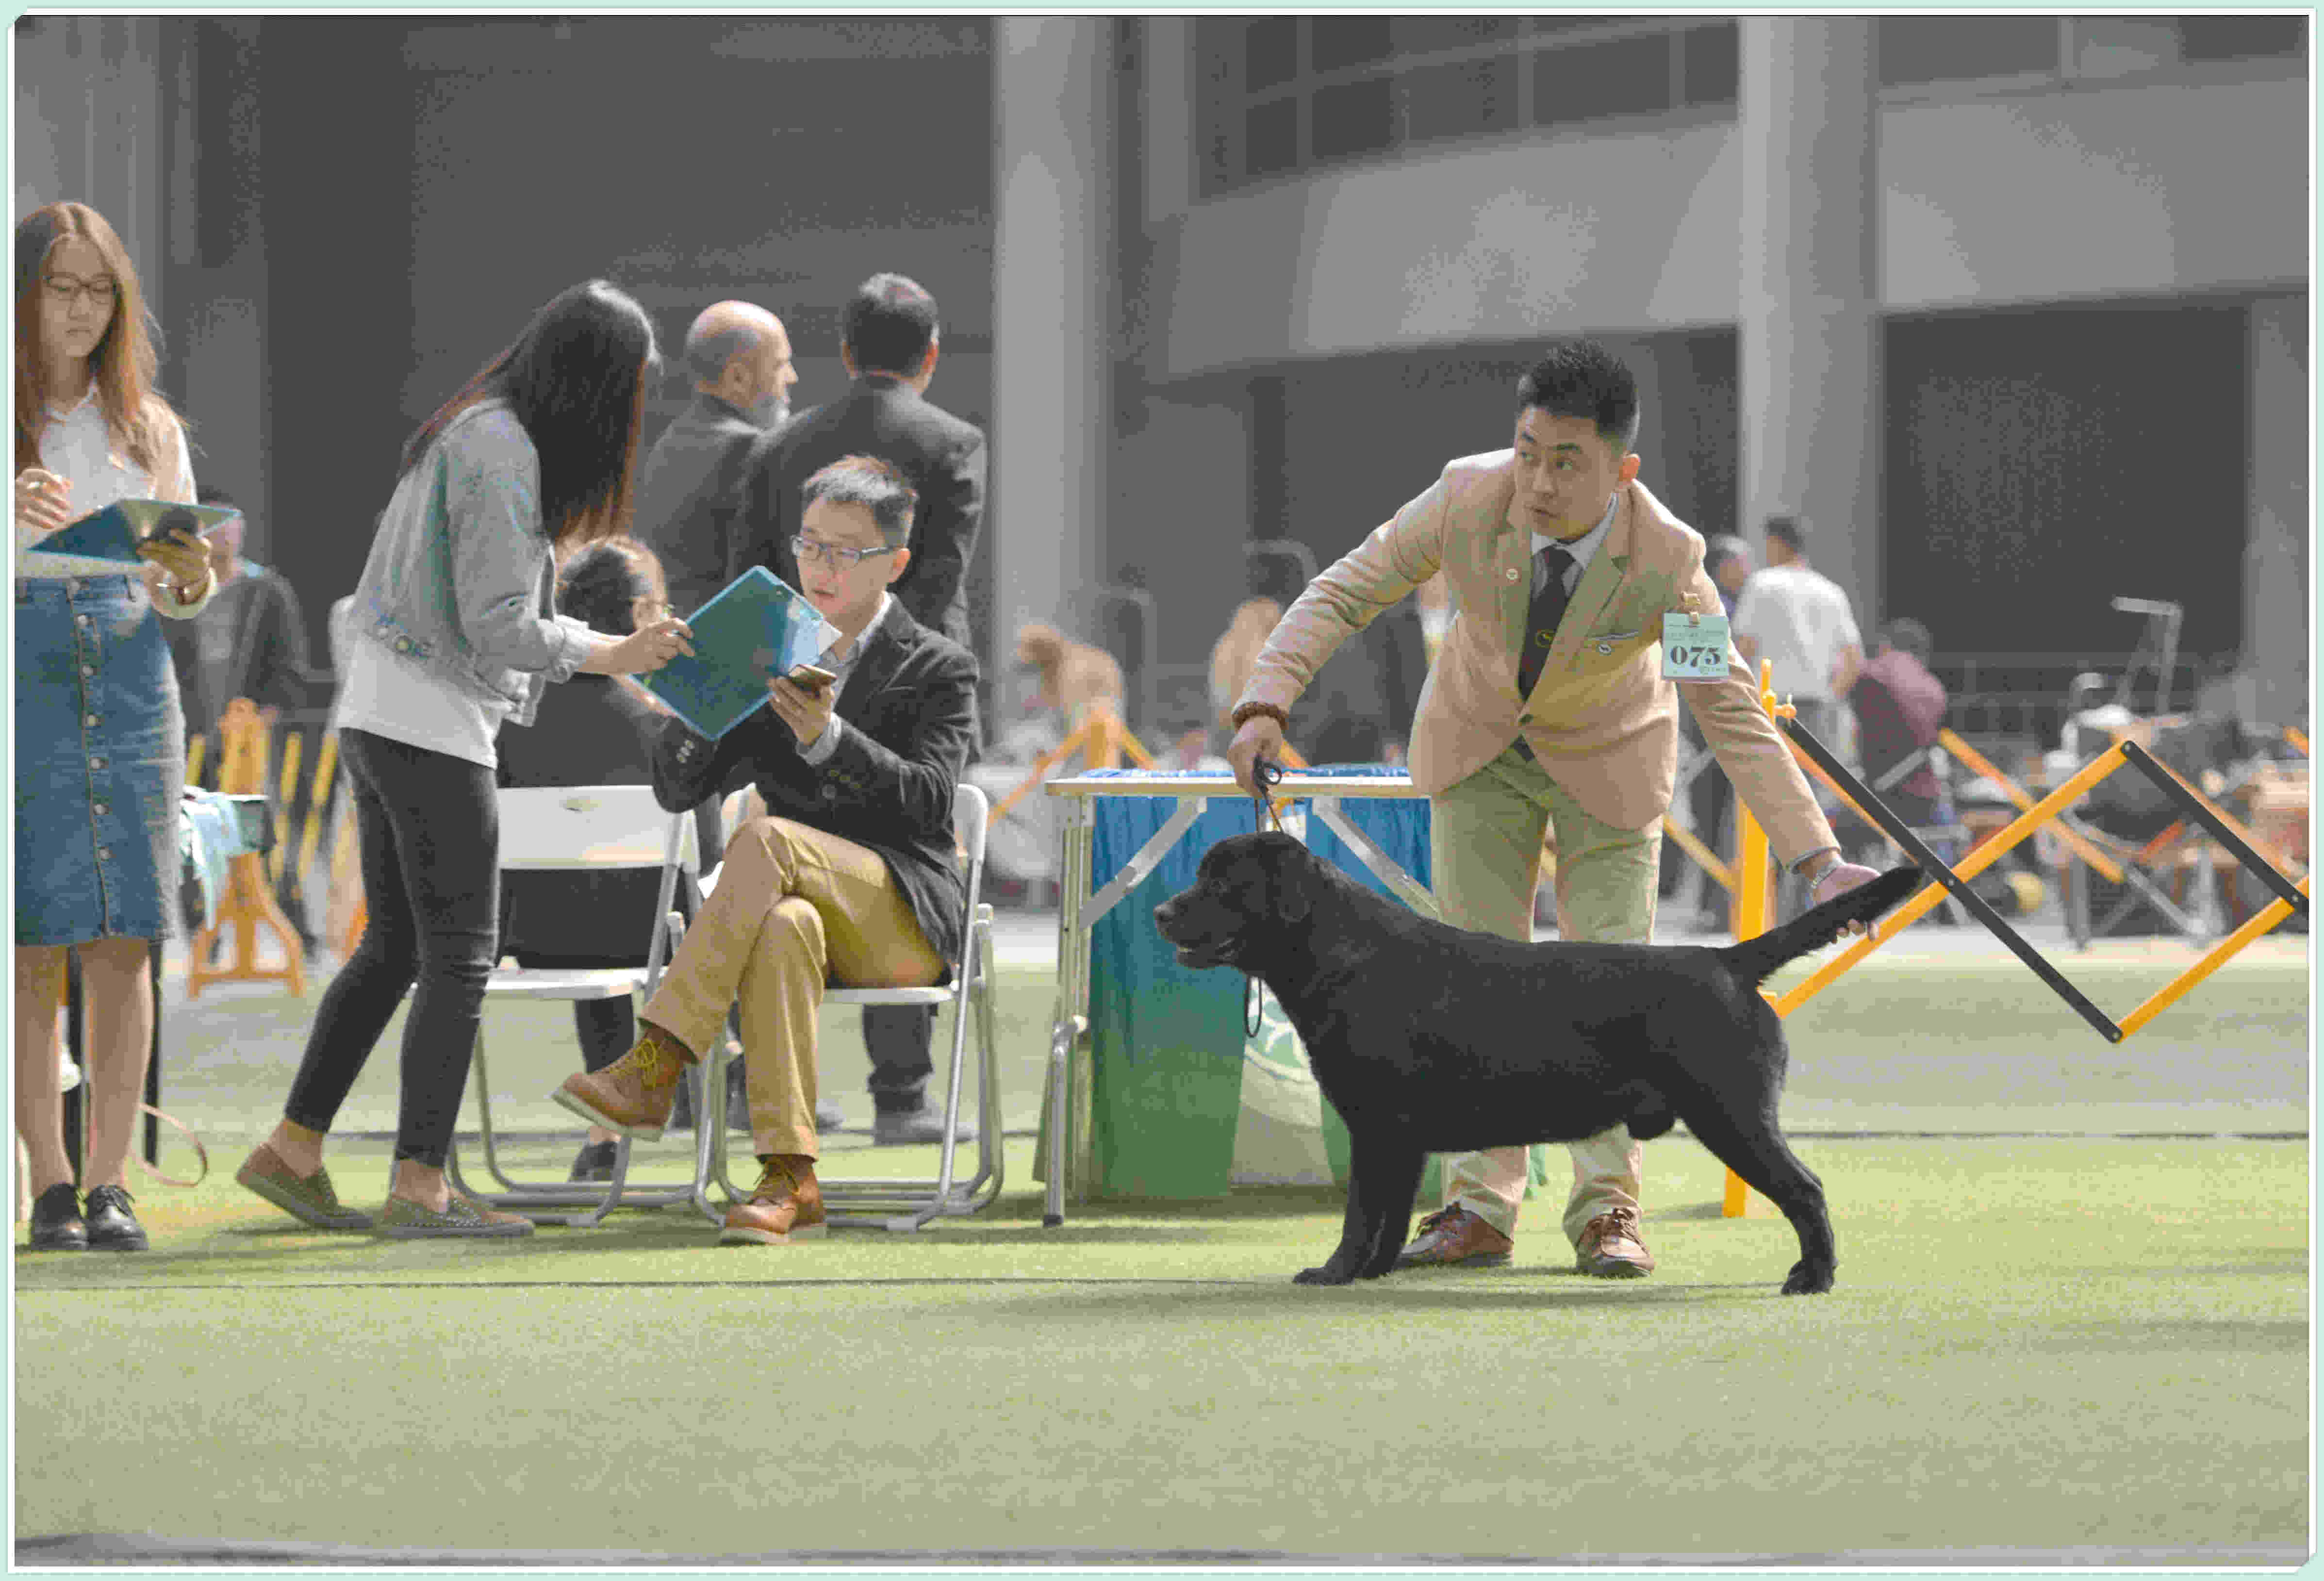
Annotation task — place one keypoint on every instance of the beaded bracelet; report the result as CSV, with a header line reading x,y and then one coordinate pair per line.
x,y
1248,711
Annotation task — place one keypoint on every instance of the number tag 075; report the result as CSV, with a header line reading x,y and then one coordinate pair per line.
x,y
1694,647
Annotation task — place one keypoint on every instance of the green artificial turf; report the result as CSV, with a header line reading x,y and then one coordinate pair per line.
x,y
2036,1343
2047,1342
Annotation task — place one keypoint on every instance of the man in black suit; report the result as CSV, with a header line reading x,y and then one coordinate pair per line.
x,y
740,362
889,345
852,875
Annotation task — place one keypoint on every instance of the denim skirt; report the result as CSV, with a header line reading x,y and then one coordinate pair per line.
x,y
100,763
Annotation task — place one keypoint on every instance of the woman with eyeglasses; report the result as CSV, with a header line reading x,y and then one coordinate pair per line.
x,y
600,730
452,634
100,736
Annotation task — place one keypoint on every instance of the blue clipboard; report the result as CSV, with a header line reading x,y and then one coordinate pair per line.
x,y
758,625
113,534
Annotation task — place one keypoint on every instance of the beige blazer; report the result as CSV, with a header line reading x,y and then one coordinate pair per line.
x,y
1602,719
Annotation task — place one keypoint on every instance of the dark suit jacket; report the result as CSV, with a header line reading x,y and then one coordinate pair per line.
x,y
944,457
590,731
908,704
687,489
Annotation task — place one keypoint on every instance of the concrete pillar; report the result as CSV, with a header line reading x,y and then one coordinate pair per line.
x,y
1809,386
2276,559
1053,90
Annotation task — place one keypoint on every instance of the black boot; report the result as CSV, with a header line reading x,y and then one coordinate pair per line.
x,y
111,1227
57,1224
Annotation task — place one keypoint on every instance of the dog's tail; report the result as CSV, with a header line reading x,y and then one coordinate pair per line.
x,y
1755,960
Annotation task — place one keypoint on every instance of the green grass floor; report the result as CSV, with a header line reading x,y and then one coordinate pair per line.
x,y
2038,1344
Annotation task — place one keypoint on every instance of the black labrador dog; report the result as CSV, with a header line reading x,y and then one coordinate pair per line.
x,y
1427,1039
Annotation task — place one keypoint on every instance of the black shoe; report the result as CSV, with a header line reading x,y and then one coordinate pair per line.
x,y
111,1227
57,1224
923,1124
595,1161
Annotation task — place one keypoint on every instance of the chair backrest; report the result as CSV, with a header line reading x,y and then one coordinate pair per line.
x,y
595,828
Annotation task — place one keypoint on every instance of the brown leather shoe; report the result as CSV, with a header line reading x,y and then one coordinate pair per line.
x,y
786,1206
1611,1248
634,1095
1455,1238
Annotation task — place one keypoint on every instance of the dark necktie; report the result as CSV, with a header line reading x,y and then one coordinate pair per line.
x,y
1541,620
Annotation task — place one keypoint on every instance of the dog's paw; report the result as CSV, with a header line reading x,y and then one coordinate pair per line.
x,y
1325,1275
1804,1280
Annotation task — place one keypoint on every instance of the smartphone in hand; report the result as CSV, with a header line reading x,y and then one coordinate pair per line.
x,y
809,677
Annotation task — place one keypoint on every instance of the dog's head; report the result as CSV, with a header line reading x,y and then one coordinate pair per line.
x,y
1248,889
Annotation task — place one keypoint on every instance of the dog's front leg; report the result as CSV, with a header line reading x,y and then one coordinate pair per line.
x,y
1382,1176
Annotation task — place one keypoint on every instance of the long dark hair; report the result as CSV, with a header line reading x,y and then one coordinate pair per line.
x,y
577,379
123,365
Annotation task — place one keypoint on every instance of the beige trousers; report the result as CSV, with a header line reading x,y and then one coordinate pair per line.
x,y
1484,845
794,909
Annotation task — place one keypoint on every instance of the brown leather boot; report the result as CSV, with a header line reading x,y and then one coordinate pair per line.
x,y
1612,1248
786,1206
1455,1238
634,1095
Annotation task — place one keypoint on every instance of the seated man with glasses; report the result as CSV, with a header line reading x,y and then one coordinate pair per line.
x,y
852,877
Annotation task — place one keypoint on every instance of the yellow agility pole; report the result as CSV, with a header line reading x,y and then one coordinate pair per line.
x,y
318,798
2105,865
1704,856
1985,855
195,750
1751,896
2259,922
293,745
2298,741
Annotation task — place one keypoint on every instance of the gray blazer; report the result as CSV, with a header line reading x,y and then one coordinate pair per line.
x,y
687,503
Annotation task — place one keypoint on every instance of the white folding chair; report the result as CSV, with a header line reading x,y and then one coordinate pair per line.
x,y
895,1204
594,828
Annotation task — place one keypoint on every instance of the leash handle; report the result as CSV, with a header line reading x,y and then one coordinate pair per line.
x,y
1265,774
201,1153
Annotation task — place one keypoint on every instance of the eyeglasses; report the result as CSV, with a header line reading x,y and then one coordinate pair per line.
x,y
832,554
65,287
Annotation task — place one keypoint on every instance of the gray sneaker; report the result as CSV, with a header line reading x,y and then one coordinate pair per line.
x,y
404,1220
923,1124
308,1199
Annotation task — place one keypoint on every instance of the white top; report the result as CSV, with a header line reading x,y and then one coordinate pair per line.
x,y
1583,548
76,445
1801,622
839,660
388,695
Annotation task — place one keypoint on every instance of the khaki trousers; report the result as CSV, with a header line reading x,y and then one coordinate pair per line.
x,y
795,907
1484,843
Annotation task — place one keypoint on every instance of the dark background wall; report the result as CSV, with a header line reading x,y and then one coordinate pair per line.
x,y
2040,463
401,193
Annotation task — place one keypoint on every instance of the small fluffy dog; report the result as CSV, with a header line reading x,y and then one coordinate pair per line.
x,y
1074,676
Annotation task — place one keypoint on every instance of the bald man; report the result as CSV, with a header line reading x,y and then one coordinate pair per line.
x,y
740,360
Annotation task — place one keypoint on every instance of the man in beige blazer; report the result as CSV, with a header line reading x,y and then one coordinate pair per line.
x,y
1552,546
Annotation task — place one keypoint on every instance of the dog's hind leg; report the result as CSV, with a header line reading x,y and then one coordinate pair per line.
x,y
1383,1174
1752,1147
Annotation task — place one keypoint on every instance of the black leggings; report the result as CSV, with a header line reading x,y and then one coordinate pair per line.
x,y
428,825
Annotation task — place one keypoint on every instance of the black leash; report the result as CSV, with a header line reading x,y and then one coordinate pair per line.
x,y
1265,774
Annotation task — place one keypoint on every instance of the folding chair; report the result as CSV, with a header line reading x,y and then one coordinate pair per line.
x,y
894,1204
595,828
